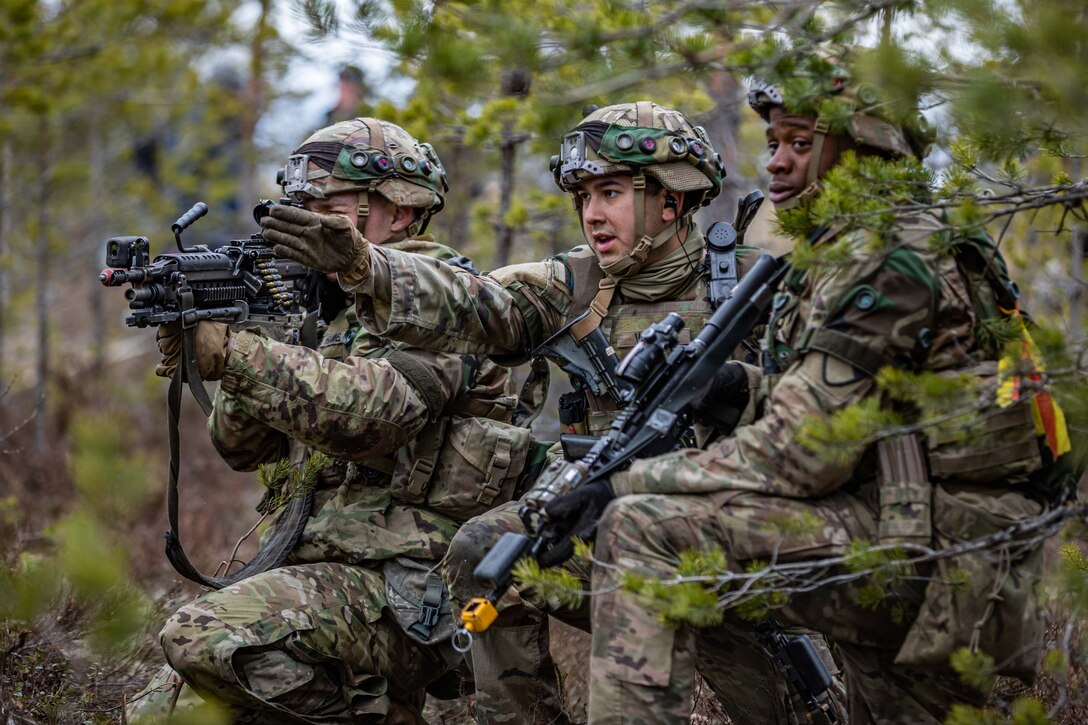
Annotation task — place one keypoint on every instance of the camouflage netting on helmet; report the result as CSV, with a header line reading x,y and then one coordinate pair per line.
x,y
367,155
643,137
827,83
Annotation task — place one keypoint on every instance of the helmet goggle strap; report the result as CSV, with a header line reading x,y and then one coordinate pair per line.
x,y
297,178
819,140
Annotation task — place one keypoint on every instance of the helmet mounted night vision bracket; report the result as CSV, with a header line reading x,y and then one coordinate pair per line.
x,y
297,178
573,159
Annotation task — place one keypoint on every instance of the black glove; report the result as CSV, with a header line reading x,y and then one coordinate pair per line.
x,y
725,399
575,514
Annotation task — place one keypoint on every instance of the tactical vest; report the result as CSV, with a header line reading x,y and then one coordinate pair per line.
x,y
1004,449
461,464
585,413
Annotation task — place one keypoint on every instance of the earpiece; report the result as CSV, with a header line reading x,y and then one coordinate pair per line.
x,y
671,203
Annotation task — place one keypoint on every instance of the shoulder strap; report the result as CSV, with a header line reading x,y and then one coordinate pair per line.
x,y
279,543
585,278
422,378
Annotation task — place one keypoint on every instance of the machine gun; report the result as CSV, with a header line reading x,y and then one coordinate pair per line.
x,y
240,281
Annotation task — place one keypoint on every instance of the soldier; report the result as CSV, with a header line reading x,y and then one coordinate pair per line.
x,y
638,172
357,624
890,301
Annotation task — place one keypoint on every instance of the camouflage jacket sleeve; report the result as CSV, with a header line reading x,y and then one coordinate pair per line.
x,y
355,410
421,302
241,440
884,304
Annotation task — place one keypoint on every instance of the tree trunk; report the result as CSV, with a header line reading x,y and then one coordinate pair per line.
x,y
1077,296
254,98
42,287
507,179
97,222
5,221
454,217
722,126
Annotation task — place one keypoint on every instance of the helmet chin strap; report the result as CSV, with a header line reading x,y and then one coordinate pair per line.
x,y
812,176
630,264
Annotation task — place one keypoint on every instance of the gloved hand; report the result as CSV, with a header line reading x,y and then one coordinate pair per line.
x,y
210,339
325,242
726,398
575,514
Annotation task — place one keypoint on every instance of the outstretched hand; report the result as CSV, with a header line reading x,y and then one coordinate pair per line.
x,y
325,242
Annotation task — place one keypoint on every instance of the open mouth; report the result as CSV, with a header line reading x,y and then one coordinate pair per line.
x,y
603,242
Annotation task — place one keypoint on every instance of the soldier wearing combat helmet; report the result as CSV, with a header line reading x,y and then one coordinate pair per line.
x,y
893,301
845,115
637,172
354,626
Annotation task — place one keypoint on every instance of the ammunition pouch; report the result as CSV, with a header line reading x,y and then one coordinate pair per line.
x,y
1003,447
906,495
461,467
985,599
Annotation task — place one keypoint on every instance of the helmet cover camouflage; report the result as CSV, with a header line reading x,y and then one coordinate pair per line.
x,y
367,154
831,90
646,138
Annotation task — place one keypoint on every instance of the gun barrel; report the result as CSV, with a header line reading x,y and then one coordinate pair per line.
x,y
113,277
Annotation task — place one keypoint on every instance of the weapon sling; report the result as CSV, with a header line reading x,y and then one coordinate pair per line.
x,y
287,528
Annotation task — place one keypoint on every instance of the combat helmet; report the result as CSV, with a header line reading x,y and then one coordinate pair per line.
x,y
641,139
826,75
368,155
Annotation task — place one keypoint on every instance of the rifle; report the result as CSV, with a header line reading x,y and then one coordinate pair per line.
x,y
664,379
240,281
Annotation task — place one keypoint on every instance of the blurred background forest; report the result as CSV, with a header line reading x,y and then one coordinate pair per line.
x,y
117,115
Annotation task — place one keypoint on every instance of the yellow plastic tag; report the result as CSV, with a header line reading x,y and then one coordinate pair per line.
x,y
478,615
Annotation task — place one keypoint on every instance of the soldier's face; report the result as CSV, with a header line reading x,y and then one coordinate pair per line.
x,y
608,215
789,141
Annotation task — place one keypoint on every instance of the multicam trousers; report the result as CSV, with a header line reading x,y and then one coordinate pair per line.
x,y
642,670
312,643
516,679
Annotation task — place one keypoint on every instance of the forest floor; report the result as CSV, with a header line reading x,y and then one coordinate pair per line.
x,y
47,672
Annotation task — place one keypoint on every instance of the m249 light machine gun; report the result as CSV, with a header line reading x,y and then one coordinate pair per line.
x,y
238,282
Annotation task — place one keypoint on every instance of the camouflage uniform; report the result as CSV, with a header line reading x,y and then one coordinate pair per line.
x,y
895,302
328,637
508,314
